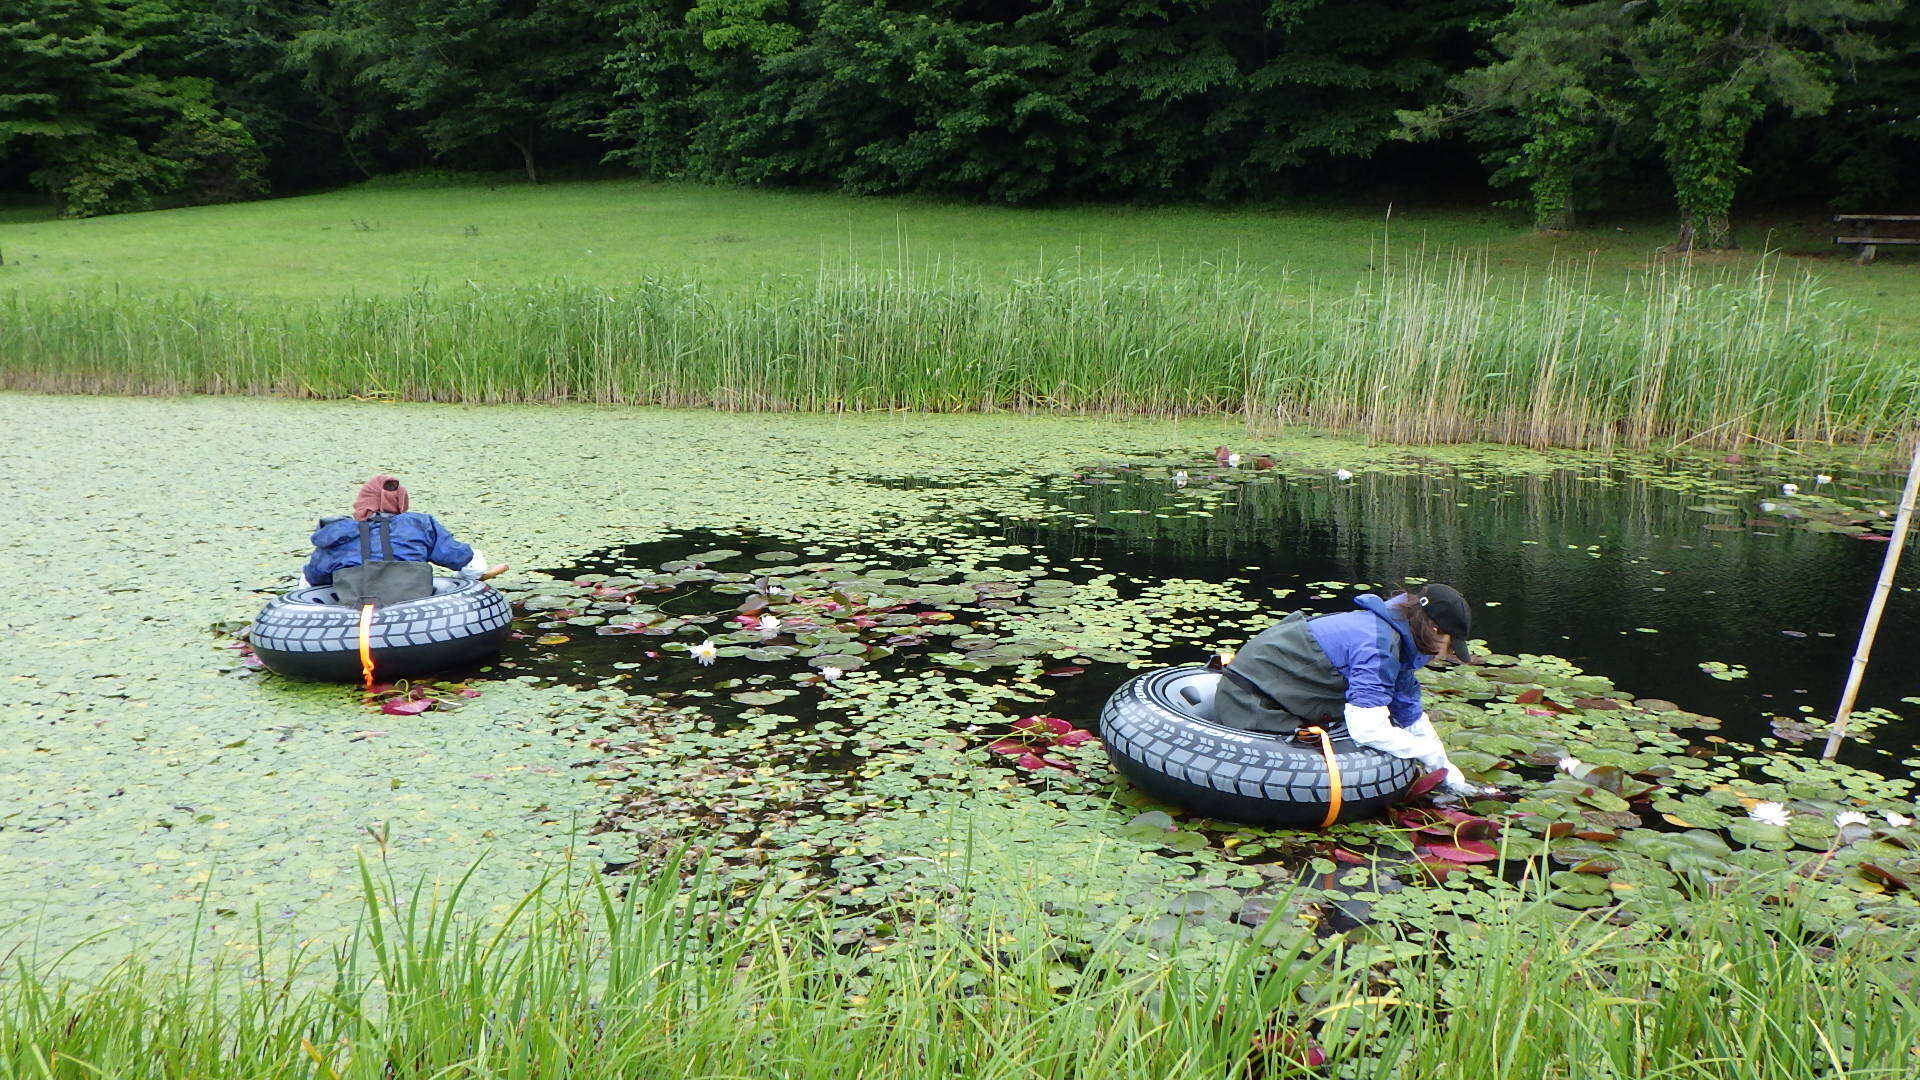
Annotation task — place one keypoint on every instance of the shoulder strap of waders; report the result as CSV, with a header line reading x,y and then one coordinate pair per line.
x,y
386,540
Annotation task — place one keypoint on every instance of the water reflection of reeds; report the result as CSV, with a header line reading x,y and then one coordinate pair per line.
x,y
1626,578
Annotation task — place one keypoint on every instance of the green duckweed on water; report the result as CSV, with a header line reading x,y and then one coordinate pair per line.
x,y
888,597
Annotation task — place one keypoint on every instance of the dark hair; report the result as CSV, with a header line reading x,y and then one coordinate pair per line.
x,y
1427,635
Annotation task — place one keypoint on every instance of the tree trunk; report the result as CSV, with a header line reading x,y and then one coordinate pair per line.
x,y
525,146
1705,231
1719,230
1555,220
1553,199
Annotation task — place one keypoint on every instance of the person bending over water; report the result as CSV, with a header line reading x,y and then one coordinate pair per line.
x,y
392,533
1354,665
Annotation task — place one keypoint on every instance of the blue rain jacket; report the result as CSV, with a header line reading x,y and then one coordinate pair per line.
x,y
1374,650
416,538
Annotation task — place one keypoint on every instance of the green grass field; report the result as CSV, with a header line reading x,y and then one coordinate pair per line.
x,y
400,234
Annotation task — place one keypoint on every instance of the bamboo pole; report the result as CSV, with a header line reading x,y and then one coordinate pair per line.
x,y
1875,607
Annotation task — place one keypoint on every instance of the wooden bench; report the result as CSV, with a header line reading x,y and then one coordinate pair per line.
x,y
1866,236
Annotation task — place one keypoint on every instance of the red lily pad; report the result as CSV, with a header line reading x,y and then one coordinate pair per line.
x,y
1466,851
1881,875
405,707
1065,672
1478,828
1076,737
1298,1049
1426,783
1011,748
1599,704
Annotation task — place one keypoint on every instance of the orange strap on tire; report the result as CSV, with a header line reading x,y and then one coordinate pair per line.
x,y
366,645
1333,773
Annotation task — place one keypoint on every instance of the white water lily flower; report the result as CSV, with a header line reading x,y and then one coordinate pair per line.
x,y
1790,489
1769,813
769,624
705,651
1342,474
1821,478
1849,817
831,674
1898,821
1233,460
1768,507
1180,478
1571,765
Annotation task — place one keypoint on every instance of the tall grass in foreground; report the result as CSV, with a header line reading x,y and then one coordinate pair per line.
x,y
591,987
1426,350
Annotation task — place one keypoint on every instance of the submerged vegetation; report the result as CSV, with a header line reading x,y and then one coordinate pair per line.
x,y
1424,350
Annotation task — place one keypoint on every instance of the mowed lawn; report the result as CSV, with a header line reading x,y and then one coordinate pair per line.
x,y
406,233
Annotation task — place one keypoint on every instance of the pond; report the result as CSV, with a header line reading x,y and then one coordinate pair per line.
x,y
1681,626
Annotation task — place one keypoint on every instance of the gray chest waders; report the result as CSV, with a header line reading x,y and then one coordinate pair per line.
x,y
383,581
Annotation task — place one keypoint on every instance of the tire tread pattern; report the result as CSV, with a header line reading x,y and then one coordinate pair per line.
x,y
1237,775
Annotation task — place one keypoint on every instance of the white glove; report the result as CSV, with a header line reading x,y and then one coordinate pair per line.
x,y
1374,727
475,566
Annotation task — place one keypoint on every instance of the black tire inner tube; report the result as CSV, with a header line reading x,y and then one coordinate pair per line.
x,y
309,634
1158,731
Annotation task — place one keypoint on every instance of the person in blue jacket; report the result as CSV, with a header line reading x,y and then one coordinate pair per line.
x,y
1357,666
415,537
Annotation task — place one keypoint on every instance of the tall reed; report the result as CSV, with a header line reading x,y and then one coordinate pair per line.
x,y
581,985
1428,349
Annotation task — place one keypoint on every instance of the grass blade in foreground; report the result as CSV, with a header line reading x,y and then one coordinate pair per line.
x,y
585,985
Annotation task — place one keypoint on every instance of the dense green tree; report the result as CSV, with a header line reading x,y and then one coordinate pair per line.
x,y
1551,96
290,70
481,72
96,96
117,104
1862,153
1696,75
1019,101
1708,70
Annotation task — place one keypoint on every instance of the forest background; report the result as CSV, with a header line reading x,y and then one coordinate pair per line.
x,y
1571,110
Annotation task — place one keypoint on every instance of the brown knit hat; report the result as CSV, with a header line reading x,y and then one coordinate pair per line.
x,y
380,495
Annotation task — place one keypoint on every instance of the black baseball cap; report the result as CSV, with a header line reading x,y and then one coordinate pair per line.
x,y
1450,612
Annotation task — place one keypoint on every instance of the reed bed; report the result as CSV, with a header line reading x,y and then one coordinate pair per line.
x,y
579,984
1429,349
